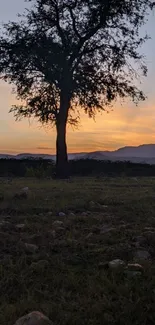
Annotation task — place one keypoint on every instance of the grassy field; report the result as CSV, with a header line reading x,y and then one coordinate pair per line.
x,y
60,268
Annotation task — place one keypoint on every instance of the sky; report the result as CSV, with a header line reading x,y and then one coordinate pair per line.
x,y
126,125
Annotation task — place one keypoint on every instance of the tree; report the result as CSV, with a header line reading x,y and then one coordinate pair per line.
x,y
67,55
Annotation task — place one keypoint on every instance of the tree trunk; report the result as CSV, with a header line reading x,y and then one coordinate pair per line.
x,y
62,168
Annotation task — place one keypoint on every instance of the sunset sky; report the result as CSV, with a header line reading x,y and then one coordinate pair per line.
x,y
125,125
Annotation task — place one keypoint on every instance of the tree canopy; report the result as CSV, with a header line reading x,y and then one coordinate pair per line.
x,y
93,41
84,54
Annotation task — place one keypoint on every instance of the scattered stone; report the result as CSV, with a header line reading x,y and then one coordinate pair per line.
x,y
104,266
6,222
34,318
20,226
21,195
37,237
103,206
105,229
72,215
58,223
25,189
89,235
40,265
142,255
84,214
53,233
6,225
140,241
149,229
150,237
135,179
60,229
132,274
116,264
31,248
92,204
135,267
7,217
50,213
62,214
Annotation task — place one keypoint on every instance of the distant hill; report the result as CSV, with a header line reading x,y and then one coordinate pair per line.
x,y
142,154
144,151
3,156
47,157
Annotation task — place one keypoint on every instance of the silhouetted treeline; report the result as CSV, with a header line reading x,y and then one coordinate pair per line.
x,y
44,168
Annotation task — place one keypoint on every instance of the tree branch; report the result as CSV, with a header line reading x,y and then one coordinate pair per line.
x,y
60,31
85,38
73,22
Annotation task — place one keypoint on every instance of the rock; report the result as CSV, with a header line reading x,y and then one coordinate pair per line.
x,y
103,266
58,223
135,267
60,229
142,255
140,241
149,229
34,318
132,274
20,226
21,195
92,204
40,265
6,225
103,206
135,179
62,214
72,215
7,217
6,222
150,237
84,214
52,233
37,237
25,189
50,213
105,229
89,235
116,264
31,248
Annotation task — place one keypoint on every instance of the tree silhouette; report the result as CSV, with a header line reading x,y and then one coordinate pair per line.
x,y
67,55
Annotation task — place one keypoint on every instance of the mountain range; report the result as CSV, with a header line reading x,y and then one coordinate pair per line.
x,y
142,154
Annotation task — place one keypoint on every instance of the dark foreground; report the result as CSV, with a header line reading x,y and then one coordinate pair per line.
x,y
60,268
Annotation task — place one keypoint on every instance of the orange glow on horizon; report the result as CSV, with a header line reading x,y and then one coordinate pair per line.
x,y
125,125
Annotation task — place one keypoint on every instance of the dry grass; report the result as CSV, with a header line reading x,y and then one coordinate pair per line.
x,y
65,278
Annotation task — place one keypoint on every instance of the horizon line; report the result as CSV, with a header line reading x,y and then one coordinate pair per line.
x,y
73,153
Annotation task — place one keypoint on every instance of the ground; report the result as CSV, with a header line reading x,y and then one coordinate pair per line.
x,y
64,272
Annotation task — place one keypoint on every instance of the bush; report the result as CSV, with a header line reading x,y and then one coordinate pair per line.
x,y
85,167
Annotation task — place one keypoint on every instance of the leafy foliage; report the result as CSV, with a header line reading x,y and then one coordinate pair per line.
x,y
82,49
